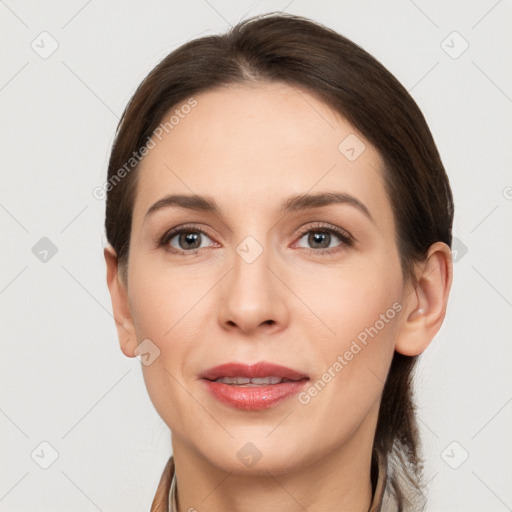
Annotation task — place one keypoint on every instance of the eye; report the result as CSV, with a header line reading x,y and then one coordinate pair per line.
x,y
325,239
185,240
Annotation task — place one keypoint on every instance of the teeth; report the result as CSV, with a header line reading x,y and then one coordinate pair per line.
x,y
267,380
241,381
234,380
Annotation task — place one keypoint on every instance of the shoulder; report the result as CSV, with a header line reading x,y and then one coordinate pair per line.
x,y
161,499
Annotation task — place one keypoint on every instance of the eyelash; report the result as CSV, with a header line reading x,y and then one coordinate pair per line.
x,y
346,239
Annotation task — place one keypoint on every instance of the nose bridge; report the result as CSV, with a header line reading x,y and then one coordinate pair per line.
x,y
250,294
249,250
252,252
251,276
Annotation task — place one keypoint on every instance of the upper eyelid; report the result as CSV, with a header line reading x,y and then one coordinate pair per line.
x,y
324,226
185,227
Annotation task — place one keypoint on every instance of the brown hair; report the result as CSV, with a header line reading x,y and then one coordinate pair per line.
x,y
302,53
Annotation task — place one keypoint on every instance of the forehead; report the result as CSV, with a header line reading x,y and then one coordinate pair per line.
x,y
255,144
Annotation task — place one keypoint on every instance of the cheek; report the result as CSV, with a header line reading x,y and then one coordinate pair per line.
x,y
354,298
160,312
167,308
362,311
160,298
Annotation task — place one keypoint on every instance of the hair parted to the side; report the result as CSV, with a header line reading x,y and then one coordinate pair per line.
x,y
290,49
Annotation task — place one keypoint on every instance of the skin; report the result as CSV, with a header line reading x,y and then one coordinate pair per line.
x,y
250,147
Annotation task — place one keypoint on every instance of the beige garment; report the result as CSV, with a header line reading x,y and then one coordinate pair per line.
x,y
165,497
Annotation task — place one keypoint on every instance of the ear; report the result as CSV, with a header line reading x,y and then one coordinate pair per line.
x,y
120,304
425,304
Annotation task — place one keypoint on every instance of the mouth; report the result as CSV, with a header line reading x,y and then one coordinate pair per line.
x,y
247,382
253,387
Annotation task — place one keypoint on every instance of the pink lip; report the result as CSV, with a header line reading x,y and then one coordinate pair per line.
x,y
253,398
262,369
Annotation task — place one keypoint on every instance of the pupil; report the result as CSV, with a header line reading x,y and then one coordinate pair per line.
x,y
190,238
319,237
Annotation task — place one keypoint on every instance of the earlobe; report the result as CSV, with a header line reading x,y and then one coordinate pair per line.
x,y
120,304
425,305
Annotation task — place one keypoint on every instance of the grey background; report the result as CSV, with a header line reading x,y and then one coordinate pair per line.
x,y
64,380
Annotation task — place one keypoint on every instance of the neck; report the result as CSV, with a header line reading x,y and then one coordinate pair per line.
x,y
339,481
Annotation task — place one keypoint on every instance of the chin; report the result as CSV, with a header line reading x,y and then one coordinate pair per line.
x,y
256,454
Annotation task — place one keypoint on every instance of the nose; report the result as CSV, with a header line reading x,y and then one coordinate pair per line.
x,y
253,298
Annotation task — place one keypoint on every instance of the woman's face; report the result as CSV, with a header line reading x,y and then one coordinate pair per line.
x,y
264,278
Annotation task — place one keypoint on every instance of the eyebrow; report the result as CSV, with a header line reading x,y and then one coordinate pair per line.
x,y
292,204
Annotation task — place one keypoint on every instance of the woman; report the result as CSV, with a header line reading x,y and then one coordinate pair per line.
x,y
279,222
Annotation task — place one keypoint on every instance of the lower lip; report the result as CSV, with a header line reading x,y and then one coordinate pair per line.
x,y
254,397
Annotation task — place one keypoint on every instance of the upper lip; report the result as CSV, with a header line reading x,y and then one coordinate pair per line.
x,y
257,370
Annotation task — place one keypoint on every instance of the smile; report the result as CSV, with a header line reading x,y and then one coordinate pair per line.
x,y
253,387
